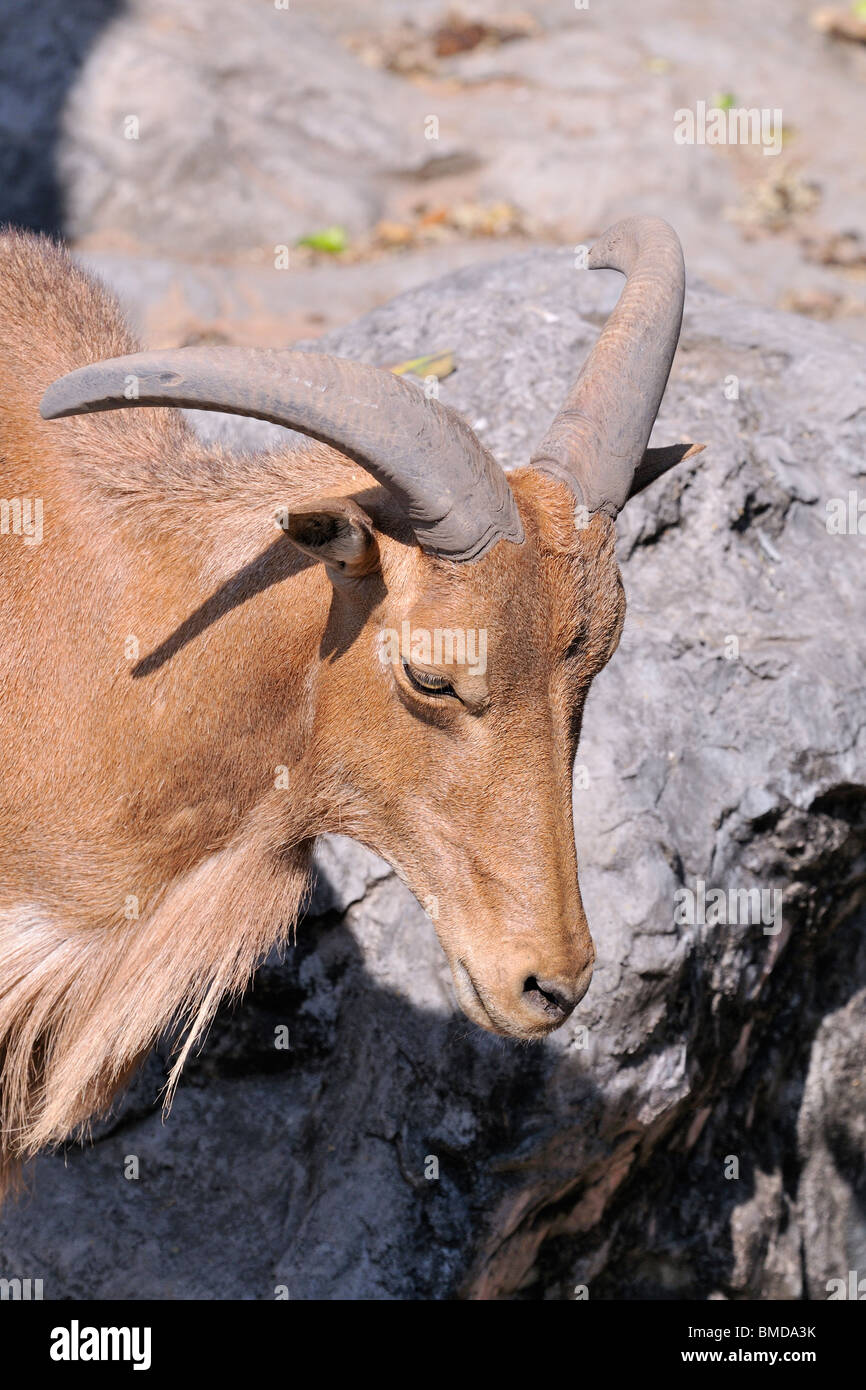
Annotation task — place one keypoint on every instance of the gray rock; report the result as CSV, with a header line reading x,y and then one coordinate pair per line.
x,y
219,131
259,124
697,1129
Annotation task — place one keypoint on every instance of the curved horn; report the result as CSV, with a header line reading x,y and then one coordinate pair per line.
x,y
598,440
455,495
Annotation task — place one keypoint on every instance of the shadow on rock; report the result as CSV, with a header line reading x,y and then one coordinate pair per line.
x,y
42,50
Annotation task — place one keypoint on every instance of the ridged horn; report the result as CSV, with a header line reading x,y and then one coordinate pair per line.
x,y
598,440
454,493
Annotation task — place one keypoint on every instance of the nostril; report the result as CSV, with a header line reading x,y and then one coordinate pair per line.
x,y
548,997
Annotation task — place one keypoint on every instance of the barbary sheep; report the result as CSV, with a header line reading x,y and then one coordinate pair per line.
x,y
209,660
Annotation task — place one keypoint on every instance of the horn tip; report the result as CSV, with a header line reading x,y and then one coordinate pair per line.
x,y
78,393
53,406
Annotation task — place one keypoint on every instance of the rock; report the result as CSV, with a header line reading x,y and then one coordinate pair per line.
x,y
199,136
40,62
697,1129
198,140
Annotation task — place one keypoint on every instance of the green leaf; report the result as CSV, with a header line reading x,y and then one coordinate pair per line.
x,y
332,240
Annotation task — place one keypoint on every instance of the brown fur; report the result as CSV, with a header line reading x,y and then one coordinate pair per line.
x,y
167,650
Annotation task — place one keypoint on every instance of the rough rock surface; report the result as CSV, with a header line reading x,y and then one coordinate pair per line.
x,y
600,1157
195,136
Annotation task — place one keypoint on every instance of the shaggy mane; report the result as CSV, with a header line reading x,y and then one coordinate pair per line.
x,y
80,1008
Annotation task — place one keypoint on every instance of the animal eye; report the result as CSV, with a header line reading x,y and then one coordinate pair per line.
x,y
427,683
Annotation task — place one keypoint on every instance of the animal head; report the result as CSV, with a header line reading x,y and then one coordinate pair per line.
x,y
467,613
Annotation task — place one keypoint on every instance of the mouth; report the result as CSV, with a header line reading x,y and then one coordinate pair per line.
x,y
481,1011
469,997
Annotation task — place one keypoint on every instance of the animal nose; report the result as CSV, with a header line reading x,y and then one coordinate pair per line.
x,y
554,999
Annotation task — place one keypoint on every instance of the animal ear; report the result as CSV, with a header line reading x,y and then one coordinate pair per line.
x,y
336,531
655,462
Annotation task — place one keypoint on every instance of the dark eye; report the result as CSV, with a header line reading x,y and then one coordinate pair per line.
x,y
427,683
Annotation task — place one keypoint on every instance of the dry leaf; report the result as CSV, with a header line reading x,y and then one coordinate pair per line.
x,y
438,364
841,24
